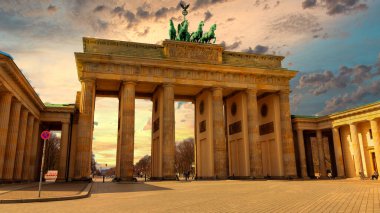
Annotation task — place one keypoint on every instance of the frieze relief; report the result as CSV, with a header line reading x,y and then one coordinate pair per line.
x,y
184,74
193,52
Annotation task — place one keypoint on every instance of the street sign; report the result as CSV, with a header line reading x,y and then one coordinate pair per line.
x,y
45,135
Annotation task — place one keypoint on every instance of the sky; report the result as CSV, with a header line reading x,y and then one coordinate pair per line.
x,y
334,44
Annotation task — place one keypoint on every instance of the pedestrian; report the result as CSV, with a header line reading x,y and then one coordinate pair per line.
x,y
375,175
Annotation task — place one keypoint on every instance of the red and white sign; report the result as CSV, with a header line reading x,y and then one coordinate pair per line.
x,y
45,135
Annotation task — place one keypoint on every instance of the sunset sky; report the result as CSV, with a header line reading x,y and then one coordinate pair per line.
x,y
334,44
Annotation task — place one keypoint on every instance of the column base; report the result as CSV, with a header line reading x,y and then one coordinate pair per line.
x,y
83,179
124,179
60,180
163,178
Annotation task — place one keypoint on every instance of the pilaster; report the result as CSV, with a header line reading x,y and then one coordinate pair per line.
x,y
376,140
13,134
28,147
5,108
20,145
338,152
63,152
33,152
287,135
127,128
220,150
253,135
356,148
301,149
321,155
85,130
168,170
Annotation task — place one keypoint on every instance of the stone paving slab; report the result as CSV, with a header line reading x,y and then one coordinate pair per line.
x,y
221,196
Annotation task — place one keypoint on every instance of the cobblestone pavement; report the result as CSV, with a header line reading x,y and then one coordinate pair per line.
x,y
29,191
220,196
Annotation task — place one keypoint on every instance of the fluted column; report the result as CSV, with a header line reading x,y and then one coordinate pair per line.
x,y
13,134
5,108
338,152
20,151
376,140
28,147
287,135
301,149
220,149
321,154
356,148
127,129
63,152
85,130
168,170
253,135
33,152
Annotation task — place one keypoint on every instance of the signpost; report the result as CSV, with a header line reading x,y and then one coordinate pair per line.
x,y
45,135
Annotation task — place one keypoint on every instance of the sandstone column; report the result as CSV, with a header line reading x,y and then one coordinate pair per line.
x,y
13,134
63,152
338,152
287,135
220,149
28,147
356,148
321,154
5,108
33,152
85,130
20,145
376,140
168,170
127,130
301,148
253,135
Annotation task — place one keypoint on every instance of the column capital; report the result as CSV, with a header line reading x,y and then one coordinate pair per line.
x,y
6,93
167,85
129,83
87,80
284,92
251,91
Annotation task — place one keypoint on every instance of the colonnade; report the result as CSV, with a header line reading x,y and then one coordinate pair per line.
x,y
351,149
19,132
163,132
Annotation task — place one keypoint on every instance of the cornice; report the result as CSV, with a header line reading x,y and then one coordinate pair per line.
x,y
14,72
177,65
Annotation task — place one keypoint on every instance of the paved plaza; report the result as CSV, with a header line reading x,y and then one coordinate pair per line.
x,y
220,196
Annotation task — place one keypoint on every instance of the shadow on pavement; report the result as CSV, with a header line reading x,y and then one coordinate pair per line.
x,y
109,187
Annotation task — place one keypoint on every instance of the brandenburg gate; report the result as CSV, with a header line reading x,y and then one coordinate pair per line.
x,y
242,112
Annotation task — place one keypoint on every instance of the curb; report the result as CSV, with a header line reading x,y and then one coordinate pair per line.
x,y
83,194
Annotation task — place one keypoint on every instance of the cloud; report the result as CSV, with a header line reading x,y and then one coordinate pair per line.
x,y
142,13
144,33
100,8
208,15
205,3
347,100
309,3
296,100
52,9
234,45
320,83
296,23
335,7
259,49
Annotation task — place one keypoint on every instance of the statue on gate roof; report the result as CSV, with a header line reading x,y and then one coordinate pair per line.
x,y
183,34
